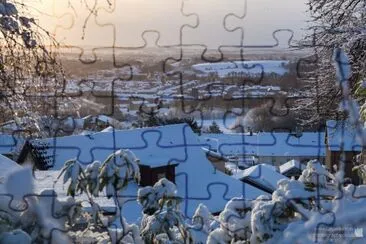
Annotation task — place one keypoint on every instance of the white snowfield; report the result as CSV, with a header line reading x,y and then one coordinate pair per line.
x,y
251,68
196,179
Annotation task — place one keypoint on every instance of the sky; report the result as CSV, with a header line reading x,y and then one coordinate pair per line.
x,y
123,23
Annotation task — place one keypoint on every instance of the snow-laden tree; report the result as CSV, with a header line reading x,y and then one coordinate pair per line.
x,y
27,217
163,221
112,176
203,223
234,222
162,216
317,207
293,201
31,78
214,128
334,24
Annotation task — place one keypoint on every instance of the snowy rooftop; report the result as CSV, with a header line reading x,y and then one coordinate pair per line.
x,y
291,165
339,132
7,165
9,143
262,174
196,179
271,144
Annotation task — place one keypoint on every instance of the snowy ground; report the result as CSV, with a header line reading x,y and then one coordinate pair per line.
x,y
246,67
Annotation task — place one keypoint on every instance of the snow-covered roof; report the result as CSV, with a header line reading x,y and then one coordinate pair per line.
x,y
342,131
101,117
212,143
105,118
214,154
291,165
75,123
6,166
108,129
9,143
196,179
262,174
309,144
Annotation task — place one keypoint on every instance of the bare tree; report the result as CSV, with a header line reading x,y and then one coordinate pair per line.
x,y
32,80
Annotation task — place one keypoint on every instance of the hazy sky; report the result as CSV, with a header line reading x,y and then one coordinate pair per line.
x,y
124,22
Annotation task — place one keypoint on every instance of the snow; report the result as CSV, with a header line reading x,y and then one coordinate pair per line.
x,y
17,178
15,237
310,144
290,165
214,154
246,67
196,179
342,132
9,143
262,174
108,129
343,66
6,167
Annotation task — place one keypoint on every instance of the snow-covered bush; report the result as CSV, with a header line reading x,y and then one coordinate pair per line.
x,y
111,176
203,223
154,198
316,207
30,217
234,222
162,217
315,175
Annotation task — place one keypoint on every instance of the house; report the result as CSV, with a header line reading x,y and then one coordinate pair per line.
x,y
64,126
292,168
99,122
172,147
262,176
341,138
156,167
273,148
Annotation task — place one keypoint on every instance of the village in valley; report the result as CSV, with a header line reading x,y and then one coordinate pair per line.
x,y
162,144
210,157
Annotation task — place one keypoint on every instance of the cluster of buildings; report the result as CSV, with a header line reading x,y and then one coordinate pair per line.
x,y
209,169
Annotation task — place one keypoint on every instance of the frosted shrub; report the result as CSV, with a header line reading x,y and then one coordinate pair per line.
x,y
34,214
162,217
235,222
111,176
315,175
